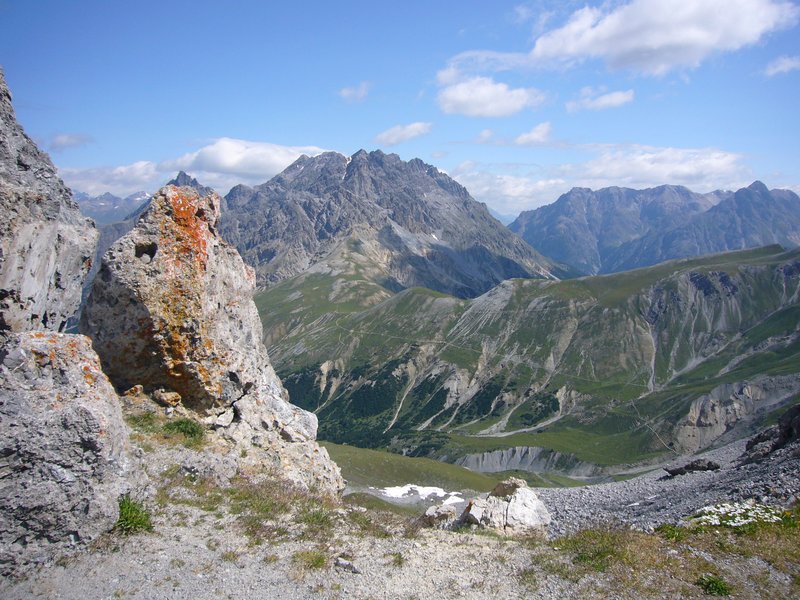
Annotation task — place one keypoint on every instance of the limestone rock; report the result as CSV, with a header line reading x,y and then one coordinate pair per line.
x,y
46,245
65,459
440,516
171,309
511,508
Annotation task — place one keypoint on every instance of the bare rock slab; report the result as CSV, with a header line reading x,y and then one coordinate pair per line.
x,y
65,458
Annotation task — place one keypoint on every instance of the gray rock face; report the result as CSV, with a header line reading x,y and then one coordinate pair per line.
x,y
64,453
422,227
172,308
528,458
46,245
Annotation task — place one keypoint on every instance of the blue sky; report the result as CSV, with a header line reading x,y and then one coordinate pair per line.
x,y
519,101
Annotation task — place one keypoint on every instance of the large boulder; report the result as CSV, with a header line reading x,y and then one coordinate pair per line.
x,y
46,245
171,309
511,508
65,459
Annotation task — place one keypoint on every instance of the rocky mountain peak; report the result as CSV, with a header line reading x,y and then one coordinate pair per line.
x,y
183,179
423,227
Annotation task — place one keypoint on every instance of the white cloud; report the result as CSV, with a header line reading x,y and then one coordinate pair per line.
x,y
647,36
656,36
62,141
783,64
357,93
505,193
402,133
222,164
510,189
120,181
483,97
700,169
592,99
538,135
485,136
254,160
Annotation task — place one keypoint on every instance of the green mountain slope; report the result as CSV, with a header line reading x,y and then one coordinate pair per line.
x,y
608,369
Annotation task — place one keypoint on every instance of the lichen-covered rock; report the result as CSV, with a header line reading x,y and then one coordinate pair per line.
x,y
171,309
46,245
64,454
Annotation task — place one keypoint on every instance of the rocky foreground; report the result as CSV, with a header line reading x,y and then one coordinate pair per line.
x,y
206,543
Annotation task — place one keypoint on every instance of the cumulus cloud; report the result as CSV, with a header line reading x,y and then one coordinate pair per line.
x,y
592,99
507,193
509,189
538,135
62,141
648,36
784,64
357,93
221,164
700,169
656,36
483,96
402,133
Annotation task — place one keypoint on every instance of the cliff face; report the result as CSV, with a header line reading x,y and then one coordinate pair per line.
x,y
171,308
46,245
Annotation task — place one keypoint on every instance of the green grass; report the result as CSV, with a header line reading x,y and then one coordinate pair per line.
x,y
362,467
713,585
192,432
133,517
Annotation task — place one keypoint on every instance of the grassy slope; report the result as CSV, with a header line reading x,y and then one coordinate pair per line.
x,y
511,333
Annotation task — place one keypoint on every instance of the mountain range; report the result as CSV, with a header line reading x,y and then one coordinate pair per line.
x,y
417,225
615,229
108,208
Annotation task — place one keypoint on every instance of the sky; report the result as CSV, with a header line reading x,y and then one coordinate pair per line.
x,y
518,101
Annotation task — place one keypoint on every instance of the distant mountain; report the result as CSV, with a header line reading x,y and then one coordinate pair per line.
x,y
108,208
183,179
414,224
583,228
753,216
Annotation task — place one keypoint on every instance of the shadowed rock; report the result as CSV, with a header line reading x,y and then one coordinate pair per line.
x,y
64,454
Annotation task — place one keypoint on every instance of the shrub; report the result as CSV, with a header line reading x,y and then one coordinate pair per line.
x,y
133,517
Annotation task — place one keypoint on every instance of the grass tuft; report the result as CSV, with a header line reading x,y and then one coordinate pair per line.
x,y
713,585
133,517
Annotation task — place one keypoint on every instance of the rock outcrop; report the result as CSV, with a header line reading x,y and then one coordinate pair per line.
x,y
171,309
65,459
512,508
46,245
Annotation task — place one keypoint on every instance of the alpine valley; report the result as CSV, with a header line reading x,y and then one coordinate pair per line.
x,y
407,318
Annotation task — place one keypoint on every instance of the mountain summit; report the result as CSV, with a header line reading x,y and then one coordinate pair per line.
x,y
415,225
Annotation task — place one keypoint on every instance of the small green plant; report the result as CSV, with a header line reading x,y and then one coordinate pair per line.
x,y
673,533
146,422
596,548
713,585
192,432
230,556
398,560
133,517
310,559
